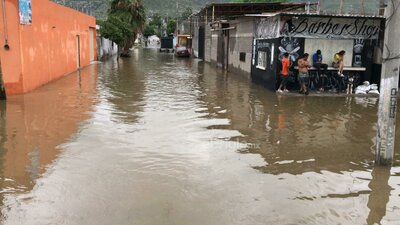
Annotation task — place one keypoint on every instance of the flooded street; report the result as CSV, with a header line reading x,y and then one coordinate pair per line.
x,y
156,139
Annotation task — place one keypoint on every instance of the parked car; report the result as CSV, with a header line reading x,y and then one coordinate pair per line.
x,y
182,52
183,45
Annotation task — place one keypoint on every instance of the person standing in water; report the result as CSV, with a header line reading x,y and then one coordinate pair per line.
x,y
284,73
303,66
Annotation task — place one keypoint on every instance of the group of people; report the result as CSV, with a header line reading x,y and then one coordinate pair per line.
x,y
304,65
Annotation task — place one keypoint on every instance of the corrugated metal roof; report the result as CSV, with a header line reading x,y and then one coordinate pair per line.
x,y
315,15
239,9
255,4
334,15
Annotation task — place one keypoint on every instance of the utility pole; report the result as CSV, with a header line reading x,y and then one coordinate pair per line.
x,y
362,8
341,6
177,17
381,7
385,138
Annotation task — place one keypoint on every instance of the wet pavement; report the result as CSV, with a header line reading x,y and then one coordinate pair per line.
x,y
159,140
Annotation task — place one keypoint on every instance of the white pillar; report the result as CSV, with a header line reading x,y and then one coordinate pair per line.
x,y
385,138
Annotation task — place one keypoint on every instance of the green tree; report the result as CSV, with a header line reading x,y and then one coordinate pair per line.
x,y
171,26
126,18
157,23
149,30
115,30
185,14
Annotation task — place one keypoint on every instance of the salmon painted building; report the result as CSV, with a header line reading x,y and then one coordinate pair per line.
x,y
41,41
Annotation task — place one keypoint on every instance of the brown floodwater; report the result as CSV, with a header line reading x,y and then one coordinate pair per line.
x,y
155,139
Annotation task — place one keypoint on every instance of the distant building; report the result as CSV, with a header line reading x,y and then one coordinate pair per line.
x,y
42,41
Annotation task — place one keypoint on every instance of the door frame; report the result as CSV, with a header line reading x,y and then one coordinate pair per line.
x,y
3,95
201,42
78,51
91,44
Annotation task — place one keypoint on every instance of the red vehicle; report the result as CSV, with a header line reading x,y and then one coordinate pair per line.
x,y
183,47
182,52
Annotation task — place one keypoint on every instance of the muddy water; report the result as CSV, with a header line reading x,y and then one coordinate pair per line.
x,y
159,140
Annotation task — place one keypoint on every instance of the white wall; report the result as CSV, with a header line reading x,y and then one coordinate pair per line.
x,y
214,46
195,40
208,44
328,48
105,47
241,40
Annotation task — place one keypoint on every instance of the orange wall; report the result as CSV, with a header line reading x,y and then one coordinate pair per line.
x,y
46,49
11,60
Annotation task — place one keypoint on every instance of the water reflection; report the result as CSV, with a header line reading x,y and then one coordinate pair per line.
x,y
123,87
299,135
294,135
35,124
380,194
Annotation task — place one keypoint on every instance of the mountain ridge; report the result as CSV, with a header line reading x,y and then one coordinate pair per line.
x,y
98,8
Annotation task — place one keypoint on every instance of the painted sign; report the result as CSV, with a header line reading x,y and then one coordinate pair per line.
x,y
25,12
393,103
344,28
357,52
267,28
291,46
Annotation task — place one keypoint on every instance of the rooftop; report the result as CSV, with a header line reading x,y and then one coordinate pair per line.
x,y
228,10
285,13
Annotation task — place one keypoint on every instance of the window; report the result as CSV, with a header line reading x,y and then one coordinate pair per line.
x,y
262,60
242,57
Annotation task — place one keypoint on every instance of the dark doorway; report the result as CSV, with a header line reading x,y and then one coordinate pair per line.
x,y
78,52
222,51
2,88
201,42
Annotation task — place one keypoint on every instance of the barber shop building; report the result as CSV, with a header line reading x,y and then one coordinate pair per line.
x,y
298,33
250,40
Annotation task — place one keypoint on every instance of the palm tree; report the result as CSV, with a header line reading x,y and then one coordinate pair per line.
x,y
131,12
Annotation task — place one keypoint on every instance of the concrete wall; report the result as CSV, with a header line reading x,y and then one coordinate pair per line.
x,y
195,40
208,44
211,45
241,40
329,47
105,47
46,49
214,46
